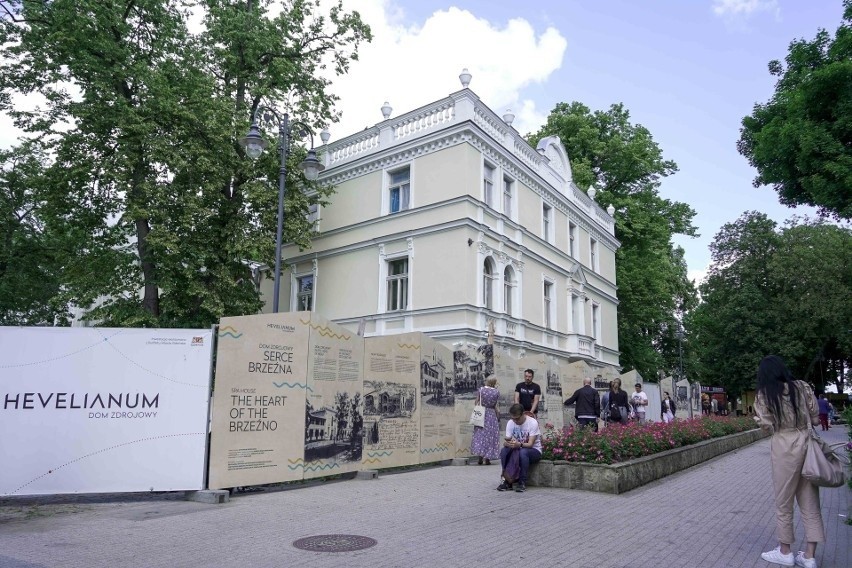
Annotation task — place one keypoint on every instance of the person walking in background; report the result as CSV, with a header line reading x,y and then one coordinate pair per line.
x,y
528,393
588,404
668,408
617,398
830,414
639,401
822,406
486,440
787,408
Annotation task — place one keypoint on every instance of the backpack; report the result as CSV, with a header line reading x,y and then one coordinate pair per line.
x,y
614,413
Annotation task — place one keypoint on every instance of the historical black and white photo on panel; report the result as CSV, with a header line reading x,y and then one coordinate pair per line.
x,y
335,431
436,381
389,400
470,369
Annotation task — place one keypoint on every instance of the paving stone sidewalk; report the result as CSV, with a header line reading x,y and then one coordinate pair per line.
x,y
718,514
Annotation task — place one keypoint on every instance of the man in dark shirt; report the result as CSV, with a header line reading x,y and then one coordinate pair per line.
x,y
588,404
528,393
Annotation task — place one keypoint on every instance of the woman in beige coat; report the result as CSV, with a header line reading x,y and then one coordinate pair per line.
x,y
788,408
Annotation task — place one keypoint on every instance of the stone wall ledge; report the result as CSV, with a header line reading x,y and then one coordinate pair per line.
x,y
622,477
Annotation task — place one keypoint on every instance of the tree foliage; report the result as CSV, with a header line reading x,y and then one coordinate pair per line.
x,y
801,140
771,290
626,165
141,121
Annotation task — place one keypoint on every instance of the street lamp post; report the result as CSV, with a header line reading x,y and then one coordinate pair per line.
x,y
254,145
679,334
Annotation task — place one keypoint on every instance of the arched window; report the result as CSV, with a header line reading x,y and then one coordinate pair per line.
x,y
487,283
508,290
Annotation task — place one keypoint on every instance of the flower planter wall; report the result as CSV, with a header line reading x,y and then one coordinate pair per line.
x,y
622,477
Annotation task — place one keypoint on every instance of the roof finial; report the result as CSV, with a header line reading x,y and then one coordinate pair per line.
x,y
386,110
465,77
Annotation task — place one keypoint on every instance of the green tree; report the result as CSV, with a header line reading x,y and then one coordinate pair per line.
x,y
149,172
625,163
801,140
785,291
813,277
31,259
734,324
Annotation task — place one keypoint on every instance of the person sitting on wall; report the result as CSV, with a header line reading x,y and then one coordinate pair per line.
x,y
522,436
588,404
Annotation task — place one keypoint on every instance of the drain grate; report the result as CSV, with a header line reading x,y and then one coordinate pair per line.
x,y
334,543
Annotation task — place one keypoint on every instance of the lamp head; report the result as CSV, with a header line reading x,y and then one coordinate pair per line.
x,y
311,165
253,143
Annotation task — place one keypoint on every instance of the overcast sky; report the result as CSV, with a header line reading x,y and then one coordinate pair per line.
x,y
688,70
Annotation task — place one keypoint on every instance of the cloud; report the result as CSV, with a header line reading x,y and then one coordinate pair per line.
x,y
410,65
744,8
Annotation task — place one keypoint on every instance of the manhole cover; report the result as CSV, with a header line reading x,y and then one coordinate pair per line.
x,y
334,543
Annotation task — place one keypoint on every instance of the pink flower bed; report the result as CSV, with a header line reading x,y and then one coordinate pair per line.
x,y
618,443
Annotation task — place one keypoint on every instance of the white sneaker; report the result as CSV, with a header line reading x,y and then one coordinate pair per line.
x,y
776,557
805,562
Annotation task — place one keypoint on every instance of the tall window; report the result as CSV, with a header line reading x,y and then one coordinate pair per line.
x,y
488,186
305,293
596,321
507,196
546,221
548,296
508,288
593,254
577,313
399,190
488,283
397,284
572,240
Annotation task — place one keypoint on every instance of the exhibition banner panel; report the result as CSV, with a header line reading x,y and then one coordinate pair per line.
x,y
470,368
101,410
334,410
258,419
437,402
506,369
553,397
571,378
540,365
391,409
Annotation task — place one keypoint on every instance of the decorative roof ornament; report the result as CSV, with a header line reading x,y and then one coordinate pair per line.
x,y
386,110
508,117
611,210
325,135
465,78
592,191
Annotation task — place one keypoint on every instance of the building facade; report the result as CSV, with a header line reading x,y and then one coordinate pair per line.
x,y
446,221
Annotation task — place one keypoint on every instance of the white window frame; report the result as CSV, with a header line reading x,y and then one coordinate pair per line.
x,y
572,240
508,197
489,171
596,321
298,294
488,282
594,254
405,189
395,279
547,222
548,301
509,287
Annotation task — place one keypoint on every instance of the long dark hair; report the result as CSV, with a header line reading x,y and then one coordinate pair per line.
x,y
772,375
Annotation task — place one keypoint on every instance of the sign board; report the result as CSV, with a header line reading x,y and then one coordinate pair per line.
x,y
101,410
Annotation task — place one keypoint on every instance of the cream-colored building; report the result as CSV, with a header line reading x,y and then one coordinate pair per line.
x,y
444,220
